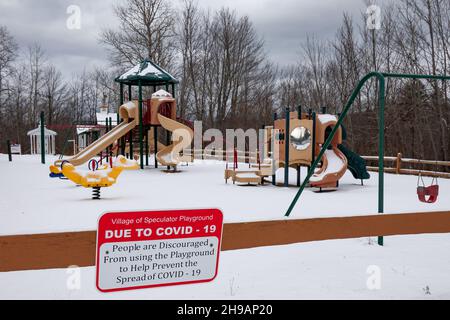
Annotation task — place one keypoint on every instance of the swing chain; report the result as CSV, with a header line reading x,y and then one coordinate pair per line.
x,y
420,176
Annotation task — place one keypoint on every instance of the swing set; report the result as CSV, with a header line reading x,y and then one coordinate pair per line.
x,y
429,193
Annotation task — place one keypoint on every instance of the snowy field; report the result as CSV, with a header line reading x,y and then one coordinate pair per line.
x,y
31,202
411,267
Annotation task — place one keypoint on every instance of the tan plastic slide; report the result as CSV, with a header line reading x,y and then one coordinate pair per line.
x,y
182,136
128,113
333,169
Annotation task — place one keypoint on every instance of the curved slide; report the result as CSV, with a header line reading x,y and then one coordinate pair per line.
x,y
127,111
182,136
356,164
333,168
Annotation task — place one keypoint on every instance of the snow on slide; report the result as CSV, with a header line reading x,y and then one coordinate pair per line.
x,y
325,118
335,164
168,157
247,174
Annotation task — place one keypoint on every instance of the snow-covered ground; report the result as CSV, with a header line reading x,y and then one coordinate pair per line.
x,y
410,266
31,202
338,269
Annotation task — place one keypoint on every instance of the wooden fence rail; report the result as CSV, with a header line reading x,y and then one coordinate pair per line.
x,y
398,162
399,167
60,250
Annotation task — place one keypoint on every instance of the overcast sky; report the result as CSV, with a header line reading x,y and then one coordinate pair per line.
x,y
284,25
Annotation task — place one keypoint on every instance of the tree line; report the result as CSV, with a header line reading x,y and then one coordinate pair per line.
x,y
227,79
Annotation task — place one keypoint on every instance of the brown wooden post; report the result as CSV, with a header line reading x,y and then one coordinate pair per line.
x,y
398,169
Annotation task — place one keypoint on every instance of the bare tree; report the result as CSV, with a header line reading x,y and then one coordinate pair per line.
x,y
146,31
8,53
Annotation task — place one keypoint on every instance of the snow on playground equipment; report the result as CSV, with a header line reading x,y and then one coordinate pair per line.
x,y
149,74
249,177
97,179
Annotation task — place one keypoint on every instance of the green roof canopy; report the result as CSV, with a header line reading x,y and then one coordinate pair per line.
x,y
148,73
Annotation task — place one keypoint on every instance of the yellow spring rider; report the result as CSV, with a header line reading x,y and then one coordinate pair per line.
x,y
103,178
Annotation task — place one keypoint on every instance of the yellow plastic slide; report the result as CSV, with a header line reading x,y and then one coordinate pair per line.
x,y
182,136
128,112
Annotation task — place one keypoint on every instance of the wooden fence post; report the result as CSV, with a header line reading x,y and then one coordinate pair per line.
x,y
8,147
398,168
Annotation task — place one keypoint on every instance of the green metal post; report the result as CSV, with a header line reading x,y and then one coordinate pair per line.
x,y
286,147
146,147
123,139
155,140
381,152
141,128
131,145
107,130
314,120
274,142
130,94
121,94
42,138
299,167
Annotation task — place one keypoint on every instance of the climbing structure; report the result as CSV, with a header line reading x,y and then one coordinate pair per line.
x,y
297,140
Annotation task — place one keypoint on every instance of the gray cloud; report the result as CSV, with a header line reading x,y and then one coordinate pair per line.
x,y
284,24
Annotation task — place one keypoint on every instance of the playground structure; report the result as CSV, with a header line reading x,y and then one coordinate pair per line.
x,y
153,114
295,141
311,140
145,116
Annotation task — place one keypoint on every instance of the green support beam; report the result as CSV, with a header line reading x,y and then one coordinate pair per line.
x,y
141,128
287,138
381,98
121,94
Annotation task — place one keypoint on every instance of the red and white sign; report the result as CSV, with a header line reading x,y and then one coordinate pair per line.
x,y
137,250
